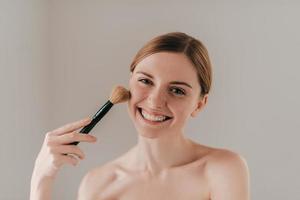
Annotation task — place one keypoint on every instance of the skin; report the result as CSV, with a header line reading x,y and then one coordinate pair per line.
x,y
164,164
52,157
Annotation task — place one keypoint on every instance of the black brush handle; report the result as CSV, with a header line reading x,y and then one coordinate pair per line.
x,y
96,118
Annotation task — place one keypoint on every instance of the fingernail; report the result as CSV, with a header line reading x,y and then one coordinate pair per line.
x,y
88,119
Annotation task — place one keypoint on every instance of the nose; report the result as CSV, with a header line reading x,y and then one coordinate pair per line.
x,y
156,99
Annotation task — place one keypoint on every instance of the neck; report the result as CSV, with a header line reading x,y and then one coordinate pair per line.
x,y
157,154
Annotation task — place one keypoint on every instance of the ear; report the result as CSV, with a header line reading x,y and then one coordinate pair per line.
x,y
200,105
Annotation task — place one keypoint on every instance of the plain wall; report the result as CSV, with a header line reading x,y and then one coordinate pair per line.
x,y
25,92
60,59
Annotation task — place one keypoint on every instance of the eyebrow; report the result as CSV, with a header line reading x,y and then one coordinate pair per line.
x,y
172,82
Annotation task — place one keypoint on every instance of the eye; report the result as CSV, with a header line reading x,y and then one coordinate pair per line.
x,y
145,81
177,91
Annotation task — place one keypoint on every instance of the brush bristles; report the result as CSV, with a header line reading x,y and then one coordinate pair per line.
x,y
119,94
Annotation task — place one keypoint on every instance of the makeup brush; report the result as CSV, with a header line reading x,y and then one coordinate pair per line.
x,y
118,95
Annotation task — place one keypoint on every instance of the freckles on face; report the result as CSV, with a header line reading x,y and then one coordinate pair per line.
x,y
168,71
136,95
178,107
137,91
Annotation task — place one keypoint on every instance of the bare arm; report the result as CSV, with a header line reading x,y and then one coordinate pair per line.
x,y
228,177
56,152
95,182
41,188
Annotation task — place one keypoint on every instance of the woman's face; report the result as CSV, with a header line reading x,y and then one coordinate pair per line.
x,y
164,94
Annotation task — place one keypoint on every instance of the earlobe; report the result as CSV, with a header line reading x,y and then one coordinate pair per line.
x,y
200,106
197,110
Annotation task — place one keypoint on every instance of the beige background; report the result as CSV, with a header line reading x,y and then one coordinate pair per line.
x,y
59,60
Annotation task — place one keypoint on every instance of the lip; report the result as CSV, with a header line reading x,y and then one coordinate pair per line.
x,y
152,113
151,122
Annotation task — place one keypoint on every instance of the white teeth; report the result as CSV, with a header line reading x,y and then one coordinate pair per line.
x,y
152,117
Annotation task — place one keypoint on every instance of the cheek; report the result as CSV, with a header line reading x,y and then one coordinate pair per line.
x,y
183,109
138,93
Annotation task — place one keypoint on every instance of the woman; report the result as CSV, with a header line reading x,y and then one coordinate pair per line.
x,y
170,80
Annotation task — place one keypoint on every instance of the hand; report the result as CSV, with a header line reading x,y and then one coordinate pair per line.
x,y
57,151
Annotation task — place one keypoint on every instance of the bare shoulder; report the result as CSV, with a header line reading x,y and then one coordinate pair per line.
x,y
95,181
224,158
218,157
228,175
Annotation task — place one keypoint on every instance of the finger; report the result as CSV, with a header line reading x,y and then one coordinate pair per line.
x,y
69,159
69,149
71,126
75,137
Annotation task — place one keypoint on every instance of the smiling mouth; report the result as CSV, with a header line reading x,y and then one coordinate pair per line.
x,y
151,118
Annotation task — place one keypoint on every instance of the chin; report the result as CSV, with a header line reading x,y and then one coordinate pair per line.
x,y
151,135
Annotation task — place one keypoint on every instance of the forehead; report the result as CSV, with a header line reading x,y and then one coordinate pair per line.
x,y
168,65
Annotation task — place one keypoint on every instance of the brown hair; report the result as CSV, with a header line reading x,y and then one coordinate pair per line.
x,y
180,43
